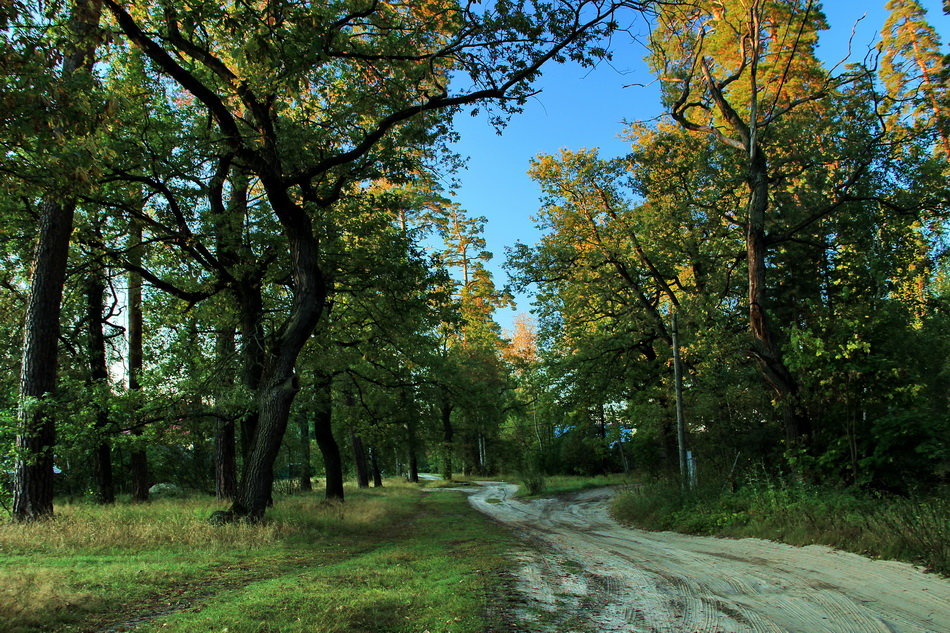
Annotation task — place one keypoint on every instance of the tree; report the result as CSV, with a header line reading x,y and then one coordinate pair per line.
x,y
911,66
743,98
36,436
368,80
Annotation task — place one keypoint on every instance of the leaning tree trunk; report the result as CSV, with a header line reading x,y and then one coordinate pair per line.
x,y
36,429
99,383
279,384
323,434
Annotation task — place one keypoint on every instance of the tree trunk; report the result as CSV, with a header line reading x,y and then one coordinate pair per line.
x,y
305,473
359,460
323,434
225,457
413,459
36,429
99,384
139,458
448,434
767,352
279,383
251,308
374,467
36,433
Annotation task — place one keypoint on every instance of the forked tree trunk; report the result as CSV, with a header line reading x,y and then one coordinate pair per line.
x,y
323,434
279,384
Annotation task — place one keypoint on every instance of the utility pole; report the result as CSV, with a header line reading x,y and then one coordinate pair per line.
x,y
678,390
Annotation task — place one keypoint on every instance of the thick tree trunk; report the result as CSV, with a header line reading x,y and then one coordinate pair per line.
x,y
374,467
279,384
359,460
36,429
305,473
99,383
139,461
36,433
257,477
768,354
323,434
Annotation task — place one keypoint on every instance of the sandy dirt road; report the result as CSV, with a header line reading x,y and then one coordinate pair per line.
x,y
581,571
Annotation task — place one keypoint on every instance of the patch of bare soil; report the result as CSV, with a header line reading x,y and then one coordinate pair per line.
x,y
582,571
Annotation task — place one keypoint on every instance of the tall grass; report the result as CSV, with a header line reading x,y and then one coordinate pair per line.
x,y
914,530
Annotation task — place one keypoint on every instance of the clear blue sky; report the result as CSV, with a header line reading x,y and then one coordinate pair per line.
x,y
586,108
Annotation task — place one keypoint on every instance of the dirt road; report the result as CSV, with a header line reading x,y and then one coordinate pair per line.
x,y
581,571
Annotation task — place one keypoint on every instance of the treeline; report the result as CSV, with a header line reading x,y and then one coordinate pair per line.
x,y
216,219
227,241
791,220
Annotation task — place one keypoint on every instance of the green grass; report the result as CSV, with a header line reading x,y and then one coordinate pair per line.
x,y
388,560
913,530
551,485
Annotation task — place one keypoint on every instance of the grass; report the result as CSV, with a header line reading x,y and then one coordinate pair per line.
x,y
551,485
393,559
912,530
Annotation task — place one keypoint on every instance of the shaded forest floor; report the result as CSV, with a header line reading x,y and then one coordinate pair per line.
x,y
391,559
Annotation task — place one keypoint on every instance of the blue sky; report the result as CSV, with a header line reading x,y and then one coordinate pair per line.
x,y
586,108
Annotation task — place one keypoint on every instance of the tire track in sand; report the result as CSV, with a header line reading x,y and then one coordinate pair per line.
x,y
584,572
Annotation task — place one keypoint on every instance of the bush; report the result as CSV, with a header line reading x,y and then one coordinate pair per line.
x,y
533,482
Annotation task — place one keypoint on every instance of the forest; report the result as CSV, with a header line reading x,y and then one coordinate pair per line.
x,y
232,263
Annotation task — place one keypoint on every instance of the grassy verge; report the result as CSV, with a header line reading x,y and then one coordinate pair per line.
x,y
913,530
389,560
550,485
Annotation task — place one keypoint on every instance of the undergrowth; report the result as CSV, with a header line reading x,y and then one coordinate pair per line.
x,y
537,485
911,529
